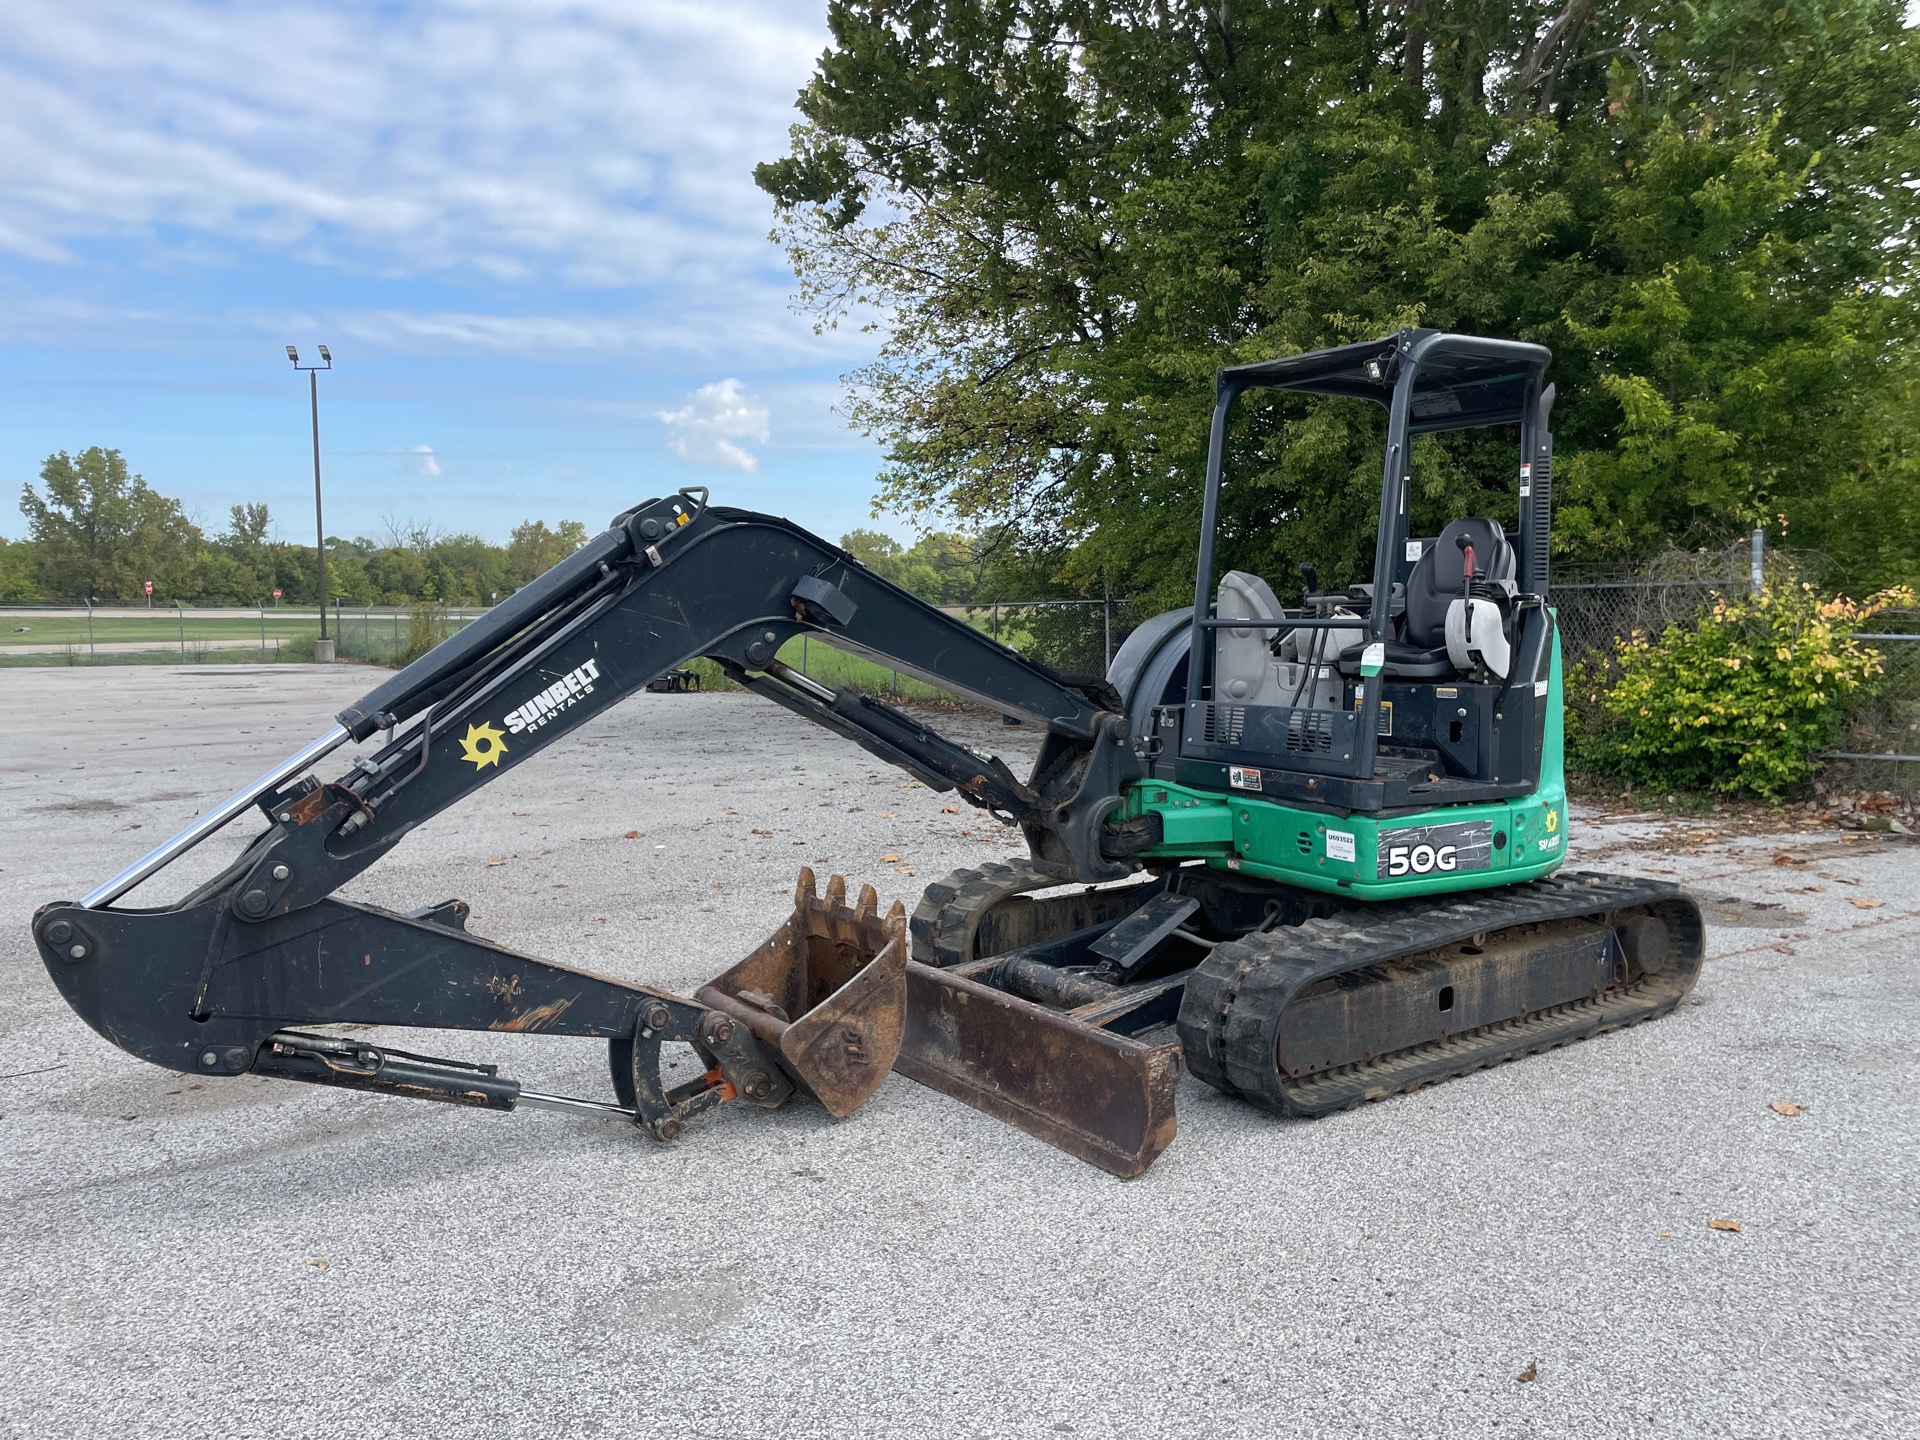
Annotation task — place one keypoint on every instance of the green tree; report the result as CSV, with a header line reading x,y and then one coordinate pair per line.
x,y
533,549
100,532
17,585
1064,216
942,566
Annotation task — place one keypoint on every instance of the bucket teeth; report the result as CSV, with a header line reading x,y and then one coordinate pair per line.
x,y
839,973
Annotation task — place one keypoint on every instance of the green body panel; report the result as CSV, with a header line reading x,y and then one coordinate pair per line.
x,y
1376,859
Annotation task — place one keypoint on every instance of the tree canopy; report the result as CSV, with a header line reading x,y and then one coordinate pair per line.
x,y
1061,217
99,531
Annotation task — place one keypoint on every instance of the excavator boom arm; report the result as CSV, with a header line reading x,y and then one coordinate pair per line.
x,y
218,982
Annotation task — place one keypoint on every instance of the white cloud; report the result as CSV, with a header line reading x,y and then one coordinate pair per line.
x,y
589,144
429,463
715,416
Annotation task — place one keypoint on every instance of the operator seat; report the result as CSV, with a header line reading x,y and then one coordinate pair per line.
x,y
1436,583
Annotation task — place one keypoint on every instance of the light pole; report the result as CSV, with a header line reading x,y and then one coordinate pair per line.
x,y
324,649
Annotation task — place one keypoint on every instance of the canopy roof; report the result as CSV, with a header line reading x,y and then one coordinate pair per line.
x,y
1460,381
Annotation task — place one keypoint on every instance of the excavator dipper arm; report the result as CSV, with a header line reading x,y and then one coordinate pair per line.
x,y
220,981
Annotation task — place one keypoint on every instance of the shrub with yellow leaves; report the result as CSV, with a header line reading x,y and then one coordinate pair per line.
x,y
1741,702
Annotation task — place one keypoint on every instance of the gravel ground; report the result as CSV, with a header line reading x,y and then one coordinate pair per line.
x,y
250,1257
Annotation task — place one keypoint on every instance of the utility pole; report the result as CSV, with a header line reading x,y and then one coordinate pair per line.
x,y
323,649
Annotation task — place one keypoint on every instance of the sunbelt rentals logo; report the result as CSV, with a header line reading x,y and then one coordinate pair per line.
x,y
563,694
483,744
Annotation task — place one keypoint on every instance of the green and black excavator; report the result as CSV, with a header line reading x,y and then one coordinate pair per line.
x,y
1310,854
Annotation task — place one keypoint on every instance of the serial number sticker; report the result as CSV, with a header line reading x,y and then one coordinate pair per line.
x,y
1539,688
1243,777
1437,849
1413,551
1340,845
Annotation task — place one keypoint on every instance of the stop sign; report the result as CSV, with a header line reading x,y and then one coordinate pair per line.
x,y
276,594
149,587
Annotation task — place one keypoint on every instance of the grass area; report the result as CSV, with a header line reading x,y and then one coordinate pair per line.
x,y
820,661
161,629
379,639
383,640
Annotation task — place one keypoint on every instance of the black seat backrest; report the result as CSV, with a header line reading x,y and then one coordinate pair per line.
x,y
1436,579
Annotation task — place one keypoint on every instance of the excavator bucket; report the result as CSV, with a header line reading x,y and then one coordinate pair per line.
x,y
826,994
833,996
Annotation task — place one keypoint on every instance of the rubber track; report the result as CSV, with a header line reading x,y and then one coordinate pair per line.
x,y
948,916
1230,1015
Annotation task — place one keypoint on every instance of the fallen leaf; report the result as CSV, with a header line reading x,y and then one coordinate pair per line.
x,y
1866,904
888,858
1530,1374
1783,858
949,809
635,834
492,863
1666,1234
1786,1107
1733,1225
886,814
763,832
317,1263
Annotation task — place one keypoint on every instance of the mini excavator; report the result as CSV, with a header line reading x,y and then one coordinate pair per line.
x,y
1310,854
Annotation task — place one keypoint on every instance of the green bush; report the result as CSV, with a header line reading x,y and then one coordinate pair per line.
x,y
426,627
1742,701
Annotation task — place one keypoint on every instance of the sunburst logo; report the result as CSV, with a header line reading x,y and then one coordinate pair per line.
x,y
483,745
1553,820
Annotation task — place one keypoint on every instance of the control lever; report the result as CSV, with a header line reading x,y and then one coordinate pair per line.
x,y
1466,569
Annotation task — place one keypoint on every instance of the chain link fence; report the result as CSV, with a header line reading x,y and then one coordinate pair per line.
x,y
1882,740
1075,637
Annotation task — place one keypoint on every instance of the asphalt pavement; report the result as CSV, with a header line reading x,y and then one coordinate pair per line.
x,y
1526,1252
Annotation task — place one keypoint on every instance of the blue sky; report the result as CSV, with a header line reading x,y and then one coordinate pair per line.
x,y
527,231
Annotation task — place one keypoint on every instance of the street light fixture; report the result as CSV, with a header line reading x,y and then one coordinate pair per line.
x,y
319,524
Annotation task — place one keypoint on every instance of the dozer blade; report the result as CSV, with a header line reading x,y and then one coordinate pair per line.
x,y
826,993
1103,1097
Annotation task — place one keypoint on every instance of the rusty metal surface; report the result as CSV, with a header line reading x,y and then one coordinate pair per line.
x,y
826,992
1105,1098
